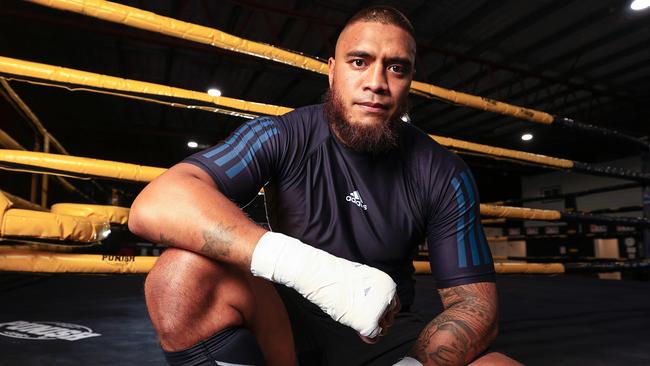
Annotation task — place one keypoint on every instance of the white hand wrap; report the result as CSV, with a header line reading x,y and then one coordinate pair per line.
x,y
408,361
353,294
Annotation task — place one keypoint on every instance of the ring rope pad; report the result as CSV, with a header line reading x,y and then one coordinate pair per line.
x,y
423,267
13,244
20,223
505,153
17,223
114,214
45,262
77,77
84,166
520,212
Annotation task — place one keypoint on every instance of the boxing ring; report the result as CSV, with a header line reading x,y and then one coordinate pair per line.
x,y
543,320
56,310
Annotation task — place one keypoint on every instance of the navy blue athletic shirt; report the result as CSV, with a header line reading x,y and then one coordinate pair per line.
x,y
369,209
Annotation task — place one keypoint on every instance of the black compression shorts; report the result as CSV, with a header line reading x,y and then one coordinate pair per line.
x,y
231,346
319,340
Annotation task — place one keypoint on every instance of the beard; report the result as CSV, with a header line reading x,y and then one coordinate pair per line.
x,y
365,138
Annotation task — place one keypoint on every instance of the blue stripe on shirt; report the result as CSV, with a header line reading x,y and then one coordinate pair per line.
x,y
264,121
460,234
472,234
241,145
237,168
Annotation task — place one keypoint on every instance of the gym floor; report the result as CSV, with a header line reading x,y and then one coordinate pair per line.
x,y
559,320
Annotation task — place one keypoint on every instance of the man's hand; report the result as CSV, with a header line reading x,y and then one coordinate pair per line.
x,y
461,332
353,294
385,322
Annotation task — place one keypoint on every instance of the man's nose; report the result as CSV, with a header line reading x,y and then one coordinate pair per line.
x,y
376,80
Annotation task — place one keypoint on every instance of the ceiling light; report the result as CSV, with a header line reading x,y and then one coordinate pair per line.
x,y
527,136
192,144
638,5
214,92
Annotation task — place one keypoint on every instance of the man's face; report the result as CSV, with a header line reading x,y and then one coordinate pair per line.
x,y
371,74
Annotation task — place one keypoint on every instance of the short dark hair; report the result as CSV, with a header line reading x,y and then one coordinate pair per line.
x,y
385,15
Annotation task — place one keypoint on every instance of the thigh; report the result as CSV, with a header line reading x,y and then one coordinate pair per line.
x,y
320,340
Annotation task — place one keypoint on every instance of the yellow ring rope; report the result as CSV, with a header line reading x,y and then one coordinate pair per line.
x,y
71,76
45,262
83,166
137,18
140,173
65,75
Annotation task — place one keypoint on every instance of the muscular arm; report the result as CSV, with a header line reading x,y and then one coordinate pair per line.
x,y
461,332
183,208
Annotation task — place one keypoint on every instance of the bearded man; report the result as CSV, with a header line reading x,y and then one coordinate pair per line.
x,y
351,191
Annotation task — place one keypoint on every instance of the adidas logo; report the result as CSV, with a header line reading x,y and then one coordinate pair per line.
x,y
355,198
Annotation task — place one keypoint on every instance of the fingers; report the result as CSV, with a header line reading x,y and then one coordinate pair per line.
x,y
388,318
368,339
386,321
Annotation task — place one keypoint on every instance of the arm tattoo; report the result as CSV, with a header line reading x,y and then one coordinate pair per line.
x,y
463,330
217,241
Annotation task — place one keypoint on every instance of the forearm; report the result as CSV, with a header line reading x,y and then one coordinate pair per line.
x,y
182,209
464,330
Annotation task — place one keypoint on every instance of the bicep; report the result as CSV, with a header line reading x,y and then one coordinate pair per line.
x,y
186,170
173,189
176,179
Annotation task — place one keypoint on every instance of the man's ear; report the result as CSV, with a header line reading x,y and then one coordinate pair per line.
x,y
330,66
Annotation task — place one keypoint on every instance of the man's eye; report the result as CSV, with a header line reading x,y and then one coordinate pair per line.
x,y
358,63
397,69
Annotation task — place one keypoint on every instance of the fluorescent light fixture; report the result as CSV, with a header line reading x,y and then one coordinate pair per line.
x,y
527,136
192,144
638,5
214,92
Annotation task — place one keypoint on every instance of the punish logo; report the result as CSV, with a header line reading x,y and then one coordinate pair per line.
x,y
118,258
355,198
45,330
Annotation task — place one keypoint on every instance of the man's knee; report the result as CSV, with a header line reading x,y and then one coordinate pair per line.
x,y
190,296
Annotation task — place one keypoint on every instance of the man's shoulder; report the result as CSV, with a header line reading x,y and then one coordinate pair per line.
x,y
302,130
420,145
305,127
307,116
